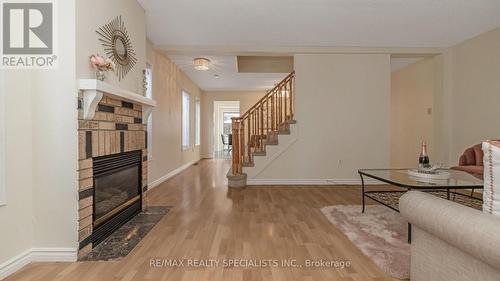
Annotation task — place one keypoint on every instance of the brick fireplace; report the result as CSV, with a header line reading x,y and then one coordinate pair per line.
x,y
108,126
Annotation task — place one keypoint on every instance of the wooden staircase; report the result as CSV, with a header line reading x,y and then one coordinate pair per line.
x,y
259,127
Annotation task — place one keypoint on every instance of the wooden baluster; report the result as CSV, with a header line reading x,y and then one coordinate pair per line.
x,y
262,127
262,124
250,121
283,105
257,121
233,167
258,126
272,112
268,117
241,150
280,107
291,97
241,142
276,104
241,137
275,94
249,151
277,110
253,133
257,118
238,141
235,124
256,143
285,102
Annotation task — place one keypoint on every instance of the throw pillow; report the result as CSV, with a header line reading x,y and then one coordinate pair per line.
x,y
491,194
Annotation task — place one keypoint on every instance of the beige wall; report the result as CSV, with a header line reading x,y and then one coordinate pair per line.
x,y
55,144
17,235
412,95
168,83
41,153
468,95
92,14
476,92
342,113
246,98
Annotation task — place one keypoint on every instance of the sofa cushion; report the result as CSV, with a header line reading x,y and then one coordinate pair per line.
x,y
472,156
491,194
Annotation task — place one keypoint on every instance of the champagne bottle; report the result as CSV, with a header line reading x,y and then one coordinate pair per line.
x,y
423,160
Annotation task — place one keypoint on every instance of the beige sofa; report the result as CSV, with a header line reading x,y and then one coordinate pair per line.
x,y
450,241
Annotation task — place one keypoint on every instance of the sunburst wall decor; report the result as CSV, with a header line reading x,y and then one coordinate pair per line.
x,y
118,46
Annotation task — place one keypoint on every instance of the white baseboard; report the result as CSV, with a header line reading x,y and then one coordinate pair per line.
x,y
37,255
311,182
171,174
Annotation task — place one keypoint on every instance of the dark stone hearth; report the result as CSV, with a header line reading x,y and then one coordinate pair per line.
x,y
124,239
106,108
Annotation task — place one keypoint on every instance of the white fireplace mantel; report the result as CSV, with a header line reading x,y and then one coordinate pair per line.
x,y
93,91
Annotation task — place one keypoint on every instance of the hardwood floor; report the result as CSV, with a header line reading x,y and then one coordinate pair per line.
x,y
209,221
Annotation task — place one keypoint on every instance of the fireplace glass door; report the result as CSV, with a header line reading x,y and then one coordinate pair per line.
x,y
117,181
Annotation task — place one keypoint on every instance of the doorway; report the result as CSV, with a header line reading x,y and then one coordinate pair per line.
x,y
411,109
223,112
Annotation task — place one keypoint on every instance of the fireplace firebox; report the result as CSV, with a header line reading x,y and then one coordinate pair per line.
x,y
117,192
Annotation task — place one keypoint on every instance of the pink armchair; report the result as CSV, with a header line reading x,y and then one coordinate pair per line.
x,y
471,161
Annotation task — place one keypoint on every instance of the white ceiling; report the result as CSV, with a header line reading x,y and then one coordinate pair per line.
x,y
229,78
360,23
235,25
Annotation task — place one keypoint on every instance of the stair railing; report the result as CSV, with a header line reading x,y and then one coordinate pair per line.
x,y
261,122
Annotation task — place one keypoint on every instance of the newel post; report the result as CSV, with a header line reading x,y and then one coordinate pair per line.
x,y
237,155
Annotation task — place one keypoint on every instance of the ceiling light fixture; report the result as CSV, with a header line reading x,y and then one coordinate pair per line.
x,y
216,76
201,63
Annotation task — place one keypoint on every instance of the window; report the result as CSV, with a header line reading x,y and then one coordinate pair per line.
x,y
148,75
197,124
185,121
3,195
228,122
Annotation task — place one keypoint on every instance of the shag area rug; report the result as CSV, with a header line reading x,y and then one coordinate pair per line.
x,y
380,233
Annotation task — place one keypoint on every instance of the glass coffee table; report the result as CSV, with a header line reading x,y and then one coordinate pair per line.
x,y
447,189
